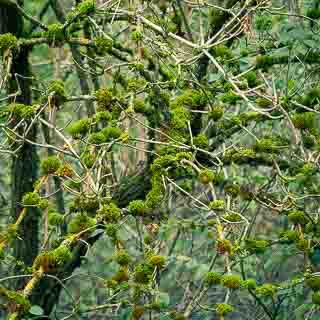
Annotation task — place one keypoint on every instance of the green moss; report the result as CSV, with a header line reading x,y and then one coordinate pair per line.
x,y
263,23
249,284
81,222
224,308
21,111
251,78
88,159
50,165
79,128
86,7
97,138
8,41
240,155
103,45
222,52
137,207
312,282
201,141
103,116
111,133
232,190
104,99
157,261
231,281
136,35
143,273
232,217
43,204
123,258
263,102
57,92
217,205
206,176
184,155
316,298
213,278
266,145
61,255
31,199
139,106
17,299
304,120
110,213
298,217
230,97
216,113
56,33
289,236
87,202
264,62
55,218
256,246
267,290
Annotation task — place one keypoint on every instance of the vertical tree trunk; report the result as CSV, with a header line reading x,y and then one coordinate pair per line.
x,y
24,166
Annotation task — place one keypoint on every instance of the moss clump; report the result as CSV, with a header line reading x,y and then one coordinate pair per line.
x,y
201,141
232,217
206,176
157,261
136,35
31,199
232,190
143,273
121,276
79,128
312,282
213,278
263,102
8,41
304,120
217,205
216,113
298,217
16,299
231,281
266,290
21,111
103,116
251,78
249,284
123,258
88,159
86,7
111,133
110,213
81,222
87,202
224,246
104,99
56,33
222,52
139,106
103,45
97,138
51,260
57,92
230,98
264,62
256,246
266,145
50,165
43,204
137,207
224,308
241,155
55,218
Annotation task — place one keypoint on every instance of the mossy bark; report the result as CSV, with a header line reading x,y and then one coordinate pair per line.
x,y
24,166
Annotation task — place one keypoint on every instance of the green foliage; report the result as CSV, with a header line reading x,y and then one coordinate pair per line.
x,y
81,222
50,165
267,290
79,128
104,99
31,199
56,33
86,7
224,308
231,281
8,41
21,111
103,45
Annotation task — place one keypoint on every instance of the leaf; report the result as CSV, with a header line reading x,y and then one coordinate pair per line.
x,y
36,310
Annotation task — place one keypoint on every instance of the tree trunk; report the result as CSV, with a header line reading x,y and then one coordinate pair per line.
x,y
24,166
